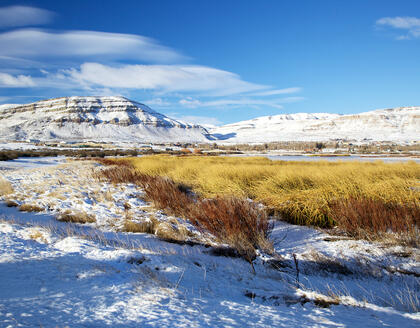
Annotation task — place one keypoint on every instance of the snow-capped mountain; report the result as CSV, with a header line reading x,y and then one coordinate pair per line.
x,y
397,124
108,119
117,119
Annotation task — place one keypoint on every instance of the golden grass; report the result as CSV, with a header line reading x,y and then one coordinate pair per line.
x,y
5,187
76,217
170,231
148,226
11,203
31,208
301,192
37,235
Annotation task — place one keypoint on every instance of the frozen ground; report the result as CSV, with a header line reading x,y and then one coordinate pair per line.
x,y
93,275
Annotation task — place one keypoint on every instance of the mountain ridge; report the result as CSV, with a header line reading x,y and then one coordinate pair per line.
x,y
399,124
118,119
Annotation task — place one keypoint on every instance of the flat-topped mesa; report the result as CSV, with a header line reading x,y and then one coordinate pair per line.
x,y
111,110
105,118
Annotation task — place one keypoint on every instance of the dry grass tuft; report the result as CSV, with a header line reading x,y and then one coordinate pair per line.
x,y
168,231
37,235
148,226
31,208
5,187
11,203
76,217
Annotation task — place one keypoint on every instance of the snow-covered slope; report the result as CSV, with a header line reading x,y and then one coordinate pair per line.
x,y
108,119
397,124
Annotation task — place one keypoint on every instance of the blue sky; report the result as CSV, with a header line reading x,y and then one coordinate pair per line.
x,y
215,61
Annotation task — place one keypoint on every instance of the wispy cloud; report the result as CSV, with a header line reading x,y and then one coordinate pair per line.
x,y
278,92
410,24
157,102
10,81
220,103
166,78
92,62
36,43
14,16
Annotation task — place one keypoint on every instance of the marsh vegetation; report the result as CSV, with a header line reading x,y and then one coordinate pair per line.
x,y
365,200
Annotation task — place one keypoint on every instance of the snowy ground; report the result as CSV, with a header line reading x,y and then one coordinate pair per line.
x,y
61,274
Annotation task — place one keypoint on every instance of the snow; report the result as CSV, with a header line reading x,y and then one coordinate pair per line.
x,y
54,273
398,124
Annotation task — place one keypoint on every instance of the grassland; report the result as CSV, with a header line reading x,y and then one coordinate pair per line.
x,y
361,198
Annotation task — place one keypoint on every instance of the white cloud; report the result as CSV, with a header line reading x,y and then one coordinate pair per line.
x,y
278,92
29,43
23,16
189,102
411,24
47,51
8,80
157,102
166,78
275,103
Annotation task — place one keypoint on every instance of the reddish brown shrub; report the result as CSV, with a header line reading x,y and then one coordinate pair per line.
x,y
118,174
368,217
237,222
167,195
113,161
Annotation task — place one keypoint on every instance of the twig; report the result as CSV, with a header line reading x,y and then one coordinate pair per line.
x,y
179,280
297,268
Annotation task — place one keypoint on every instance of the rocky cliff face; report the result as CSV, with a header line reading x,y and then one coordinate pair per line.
x,y
110,119
397,124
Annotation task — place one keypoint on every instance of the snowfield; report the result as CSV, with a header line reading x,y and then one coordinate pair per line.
x,y
55,273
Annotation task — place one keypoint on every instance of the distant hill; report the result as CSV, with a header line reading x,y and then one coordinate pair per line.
x,y
397,124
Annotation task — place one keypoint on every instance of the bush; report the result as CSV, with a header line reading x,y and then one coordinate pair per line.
x,y
238,222
365,218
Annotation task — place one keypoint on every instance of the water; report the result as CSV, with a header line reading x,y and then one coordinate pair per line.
x,y
31,162
332,158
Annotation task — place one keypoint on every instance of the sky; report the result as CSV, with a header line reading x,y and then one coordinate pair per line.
x,y
215,62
